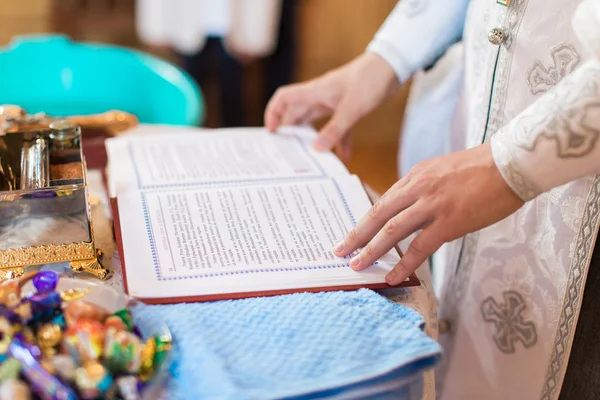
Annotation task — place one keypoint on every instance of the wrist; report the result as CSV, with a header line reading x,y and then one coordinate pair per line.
x,y
394,59
511,172
372,65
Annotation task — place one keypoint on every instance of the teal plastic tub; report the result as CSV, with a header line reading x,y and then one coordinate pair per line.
x,y
51,74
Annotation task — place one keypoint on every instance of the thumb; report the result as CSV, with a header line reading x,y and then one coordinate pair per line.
x,y
423,245
344,149
345,116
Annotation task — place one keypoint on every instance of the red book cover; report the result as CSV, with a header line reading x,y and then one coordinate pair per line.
x,y
412,281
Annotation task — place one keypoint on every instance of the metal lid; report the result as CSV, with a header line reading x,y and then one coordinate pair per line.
x,y
62,125
63,129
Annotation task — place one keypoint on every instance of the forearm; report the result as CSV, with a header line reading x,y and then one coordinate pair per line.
x,y
557,139
417,33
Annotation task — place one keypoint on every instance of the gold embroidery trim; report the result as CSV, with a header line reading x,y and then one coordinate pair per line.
x,y
38,255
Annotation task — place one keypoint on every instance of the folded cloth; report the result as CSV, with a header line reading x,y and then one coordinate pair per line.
x,y
307,345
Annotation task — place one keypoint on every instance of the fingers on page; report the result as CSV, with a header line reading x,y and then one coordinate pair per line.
x,y
382,211
395,230
422,247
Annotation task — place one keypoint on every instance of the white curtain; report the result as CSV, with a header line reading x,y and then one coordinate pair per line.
x,y
248,26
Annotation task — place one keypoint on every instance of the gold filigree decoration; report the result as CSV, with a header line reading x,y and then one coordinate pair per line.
x,y
11,273
94,201
92,266
47,254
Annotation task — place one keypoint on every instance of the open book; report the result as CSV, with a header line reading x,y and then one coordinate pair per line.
x,y
230,213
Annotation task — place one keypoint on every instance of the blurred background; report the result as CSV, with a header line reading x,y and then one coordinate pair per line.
x,y
314,36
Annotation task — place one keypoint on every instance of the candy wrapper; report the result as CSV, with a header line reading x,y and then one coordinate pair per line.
x,y
56,345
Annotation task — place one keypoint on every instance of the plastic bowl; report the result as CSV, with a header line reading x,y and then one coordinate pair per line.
x,y
110,299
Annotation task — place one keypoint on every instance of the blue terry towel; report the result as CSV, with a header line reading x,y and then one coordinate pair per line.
x,y
297,346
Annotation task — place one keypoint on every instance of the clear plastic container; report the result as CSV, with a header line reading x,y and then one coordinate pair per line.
x,y
112,300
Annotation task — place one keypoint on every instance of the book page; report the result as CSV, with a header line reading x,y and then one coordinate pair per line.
x,y
215,157
195,241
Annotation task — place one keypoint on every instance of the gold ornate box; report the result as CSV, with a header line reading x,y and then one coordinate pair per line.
x,y
45,214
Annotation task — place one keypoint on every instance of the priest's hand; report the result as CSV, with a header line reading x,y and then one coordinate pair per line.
x,y
444,198
346,94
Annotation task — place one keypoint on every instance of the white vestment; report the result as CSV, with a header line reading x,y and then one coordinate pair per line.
x,y
532,88
432,101
427,129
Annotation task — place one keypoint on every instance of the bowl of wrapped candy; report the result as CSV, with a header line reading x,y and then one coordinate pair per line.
x,y
63,338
